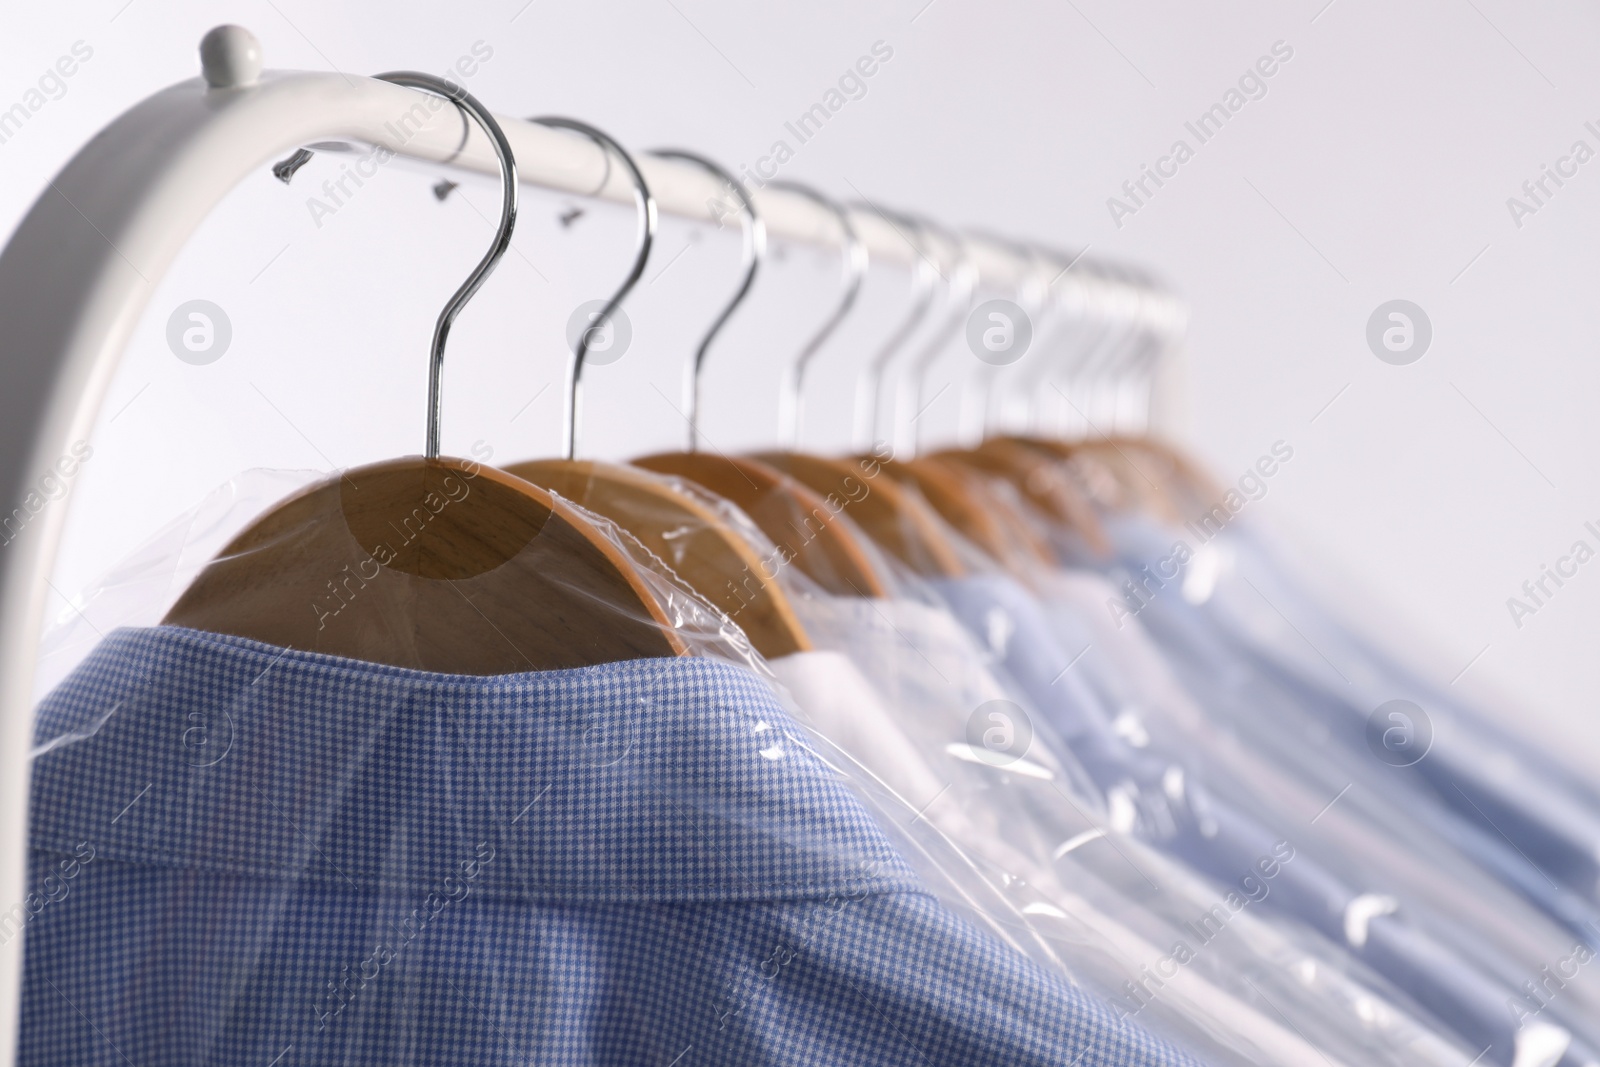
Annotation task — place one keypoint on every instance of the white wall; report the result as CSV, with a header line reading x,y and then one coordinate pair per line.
x,y
1377,166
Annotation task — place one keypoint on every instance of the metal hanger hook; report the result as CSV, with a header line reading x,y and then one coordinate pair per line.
x,y
467,103
1071,300
791,402
646,202
958,290
870,388
1159,319
755,250
1100,374
1033,293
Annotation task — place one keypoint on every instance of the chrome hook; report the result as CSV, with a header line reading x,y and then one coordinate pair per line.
x,y
467,103
647,231
870,387
1032,293
792,398
958,291
755,249
1077,321
1105,333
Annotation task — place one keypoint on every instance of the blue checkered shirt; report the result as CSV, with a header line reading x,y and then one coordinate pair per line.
x,y
247,855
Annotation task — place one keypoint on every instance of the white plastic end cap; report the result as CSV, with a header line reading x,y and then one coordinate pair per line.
x,y
230,58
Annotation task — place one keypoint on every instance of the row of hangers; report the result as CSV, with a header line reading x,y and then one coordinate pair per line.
x,y
445,565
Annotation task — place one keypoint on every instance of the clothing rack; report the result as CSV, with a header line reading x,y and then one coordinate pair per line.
x,y
84,262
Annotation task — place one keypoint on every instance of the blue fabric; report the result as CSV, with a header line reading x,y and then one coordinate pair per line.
x,y
1173,811
285,858
1490,779
1534,830
1492,837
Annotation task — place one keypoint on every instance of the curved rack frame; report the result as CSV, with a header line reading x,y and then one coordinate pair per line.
x,y
80,269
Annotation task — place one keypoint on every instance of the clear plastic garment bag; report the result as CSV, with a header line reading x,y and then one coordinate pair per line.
x,y
429,764
906,752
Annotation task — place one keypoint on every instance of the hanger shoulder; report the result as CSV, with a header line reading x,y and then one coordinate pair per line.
x,y
1099,485
689,536
438,565
1151,483
1041,479
892,517
798,521
1188,485
966,501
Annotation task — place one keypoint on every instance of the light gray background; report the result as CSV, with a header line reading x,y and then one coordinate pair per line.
x,y
1377,167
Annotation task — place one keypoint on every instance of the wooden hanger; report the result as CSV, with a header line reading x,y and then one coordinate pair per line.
x,y
983,516
1078,469
1040,478
1141,487
699,546
1103,488
433,563
897,519
894,518
1141,320
1177,487
803,526
1188,480
690,537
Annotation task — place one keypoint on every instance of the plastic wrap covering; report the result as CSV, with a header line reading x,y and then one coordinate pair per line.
x,y
900,689
876,492
137,591
247,853
964,750
1365,821
1487,776
1257,742
806,527
1156,787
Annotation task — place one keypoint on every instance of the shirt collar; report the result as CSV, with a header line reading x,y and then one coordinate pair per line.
x,y
644,780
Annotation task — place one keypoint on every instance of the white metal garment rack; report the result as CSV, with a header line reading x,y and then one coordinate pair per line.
x,y
75,279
